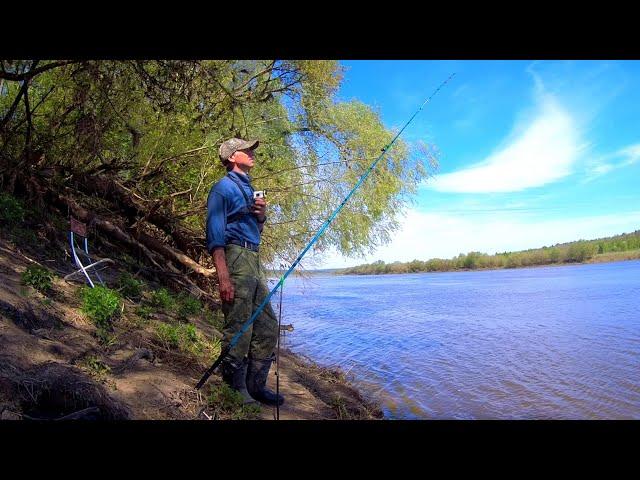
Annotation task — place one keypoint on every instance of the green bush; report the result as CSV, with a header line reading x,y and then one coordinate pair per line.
x,y
38,277
101,305
188,305
162,299
129,286
190,332
11,210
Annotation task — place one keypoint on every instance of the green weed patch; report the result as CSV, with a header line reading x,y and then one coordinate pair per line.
x,y
38,277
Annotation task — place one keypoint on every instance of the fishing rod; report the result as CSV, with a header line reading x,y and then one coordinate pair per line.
x,y
315,238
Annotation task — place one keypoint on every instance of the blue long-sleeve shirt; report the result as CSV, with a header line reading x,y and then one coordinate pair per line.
x,y
227,202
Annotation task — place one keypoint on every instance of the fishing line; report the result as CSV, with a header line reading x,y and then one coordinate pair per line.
x,y
280,284
278,354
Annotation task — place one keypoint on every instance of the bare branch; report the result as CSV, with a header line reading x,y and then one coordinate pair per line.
x,y
260,73
22,91
158,168
19,77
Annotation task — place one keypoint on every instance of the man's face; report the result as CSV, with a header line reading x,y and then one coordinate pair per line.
x,y
244,158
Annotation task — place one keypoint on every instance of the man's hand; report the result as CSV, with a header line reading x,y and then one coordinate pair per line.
x,y
226,290
225,285
260,209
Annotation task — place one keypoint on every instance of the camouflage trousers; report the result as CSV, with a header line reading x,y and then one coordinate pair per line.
x,y
250,286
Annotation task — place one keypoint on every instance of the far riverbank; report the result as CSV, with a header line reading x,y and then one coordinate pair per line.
x,y
608,257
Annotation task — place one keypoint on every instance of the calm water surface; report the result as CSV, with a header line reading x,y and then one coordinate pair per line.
x,y
540,343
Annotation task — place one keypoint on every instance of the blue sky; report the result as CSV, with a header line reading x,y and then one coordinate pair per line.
x,y
531,153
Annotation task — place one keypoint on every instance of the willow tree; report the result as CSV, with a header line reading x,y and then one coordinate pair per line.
x,y
132,147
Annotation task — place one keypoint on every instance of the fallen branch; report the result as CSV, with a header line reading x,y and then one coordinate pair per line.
x,y
106,227
134,207
167,251
80,414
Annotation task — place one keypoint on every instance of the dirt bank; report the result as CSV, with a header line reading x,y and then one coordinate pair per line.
x,y
54,363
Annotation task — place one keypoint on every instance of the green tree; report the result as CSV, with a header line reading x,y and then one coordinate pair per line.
x,y
143,136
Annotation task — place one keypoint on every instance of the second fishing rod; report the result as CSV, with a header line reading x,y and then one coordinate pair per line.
x,y
225,351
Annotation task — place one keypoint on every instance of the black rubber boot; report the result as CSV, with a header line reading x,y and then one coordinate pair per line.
x,y
235,376
257,380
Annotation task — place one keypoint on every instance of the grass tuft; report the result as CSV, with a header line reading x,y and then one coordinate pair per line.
x,y
130,287
186,339
227,404
162,299
95,367
188,305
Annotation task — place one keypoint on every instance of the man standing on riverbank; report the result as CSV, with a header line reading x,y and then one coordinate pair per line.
x,y
234,223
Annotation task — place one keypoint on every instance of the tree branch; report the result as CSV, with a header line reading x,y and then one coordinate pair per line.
x,y
157,169
19,77
22,91
262,72
27,142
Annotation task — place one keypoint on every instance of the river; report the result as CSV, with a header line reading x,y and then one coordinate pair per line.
x,y
559,342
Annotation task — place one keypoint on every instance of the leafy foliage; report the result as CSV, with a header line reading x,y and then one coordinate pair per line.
x,y
101,305
38,277
188,305
183,304
155,126
96,367
11,210
144,312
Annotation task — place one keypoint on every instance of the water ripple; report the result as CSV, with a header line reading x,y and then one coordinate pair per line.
x,y
558,343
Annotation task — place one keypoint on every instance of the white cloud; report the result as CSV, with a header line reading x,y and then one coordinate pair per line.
x,y
431,235
625,156
631,154
543,152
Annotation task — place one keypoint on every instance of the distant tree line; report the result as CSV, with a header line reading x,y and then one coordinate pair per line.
x,y
573,252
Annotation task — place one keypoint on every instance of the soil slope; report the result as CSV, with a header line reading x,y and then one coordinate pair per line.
x,y
54,366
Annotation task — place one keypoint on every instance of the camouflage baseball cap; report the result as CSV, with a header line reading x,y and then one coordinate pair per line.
x,y
229,147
